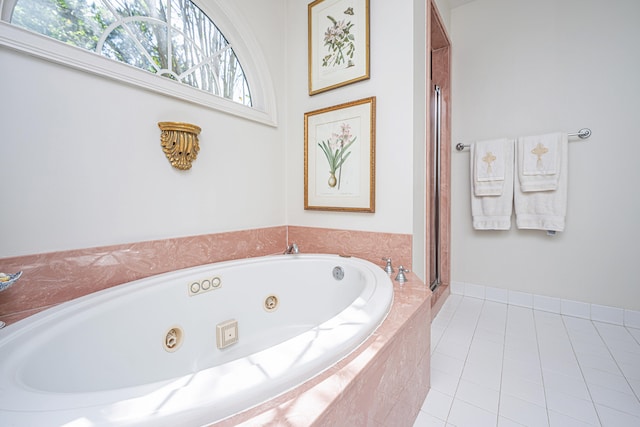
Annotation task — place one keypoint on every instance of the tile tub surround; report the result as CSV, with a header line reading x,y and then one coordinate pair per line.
x,y
382,383
385,379
438,299
372,246
52,278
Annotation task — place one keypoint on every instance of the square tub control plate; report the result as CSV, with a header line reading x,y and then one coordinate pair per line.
x,y
227,333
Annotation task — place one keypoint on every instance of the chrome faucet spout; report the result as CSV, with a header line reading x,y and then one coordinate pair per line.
x,y
292,249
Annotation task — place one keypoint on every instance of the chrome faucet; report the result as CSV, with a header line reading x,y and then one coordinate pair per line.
x,y
292,249
401,276
388,268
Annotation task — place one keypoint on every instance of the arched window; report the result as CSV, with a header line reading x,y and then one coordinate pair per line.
x,y
170,38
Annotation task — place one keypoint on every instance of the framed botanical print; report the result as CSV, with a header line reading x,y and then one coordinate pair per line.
x,y
338,43
339,157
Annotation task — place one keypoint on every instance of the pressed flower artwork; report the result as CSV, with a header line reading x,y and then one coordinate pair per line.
x,y
338,43
336,150
340,157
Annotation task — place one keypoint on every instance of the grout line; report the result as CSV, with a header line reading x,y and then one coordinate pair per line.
x,y
544,387
584,379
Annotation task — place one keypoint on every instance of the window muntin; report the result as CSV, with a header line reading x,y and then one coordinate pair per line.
x,y
170,38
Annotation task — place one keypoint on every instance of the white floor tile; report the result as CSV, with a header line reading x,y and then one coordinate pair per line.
x,y
494,335
506,422
560,420
437,404
624,352
614,332
483,350
635,332
464,414
562,366
447,364
443,382
478,395
453,347
532,392
631,369
503,365
426,420
529,371
522,412
595,361
485,375
623,402
613,418
571,406
436,334
615,382
635,385
575,324
523,350
567,385
593,348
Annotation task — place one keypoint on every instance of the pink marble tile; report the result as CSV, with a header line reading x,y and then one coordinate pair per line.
x,y
53,278
372,246
439,297
362,389
365,387
441,74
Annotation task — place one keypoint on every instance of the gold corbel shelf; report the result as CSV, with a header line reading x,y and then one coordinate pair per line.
x,y
180,143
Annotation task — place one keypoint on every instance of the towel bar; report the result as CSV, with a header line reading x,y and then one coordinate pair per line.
x,y
583,133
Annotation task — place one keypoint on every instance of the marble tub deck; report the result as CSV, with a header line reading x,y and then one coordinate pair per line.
x,y
384,382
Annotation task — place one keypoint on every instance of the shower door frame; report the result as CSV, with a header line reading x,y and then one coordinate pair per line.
x,y
439,68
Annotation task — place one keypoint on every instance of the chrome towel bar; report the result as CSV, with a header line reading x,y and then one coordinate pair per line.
x,y
583,133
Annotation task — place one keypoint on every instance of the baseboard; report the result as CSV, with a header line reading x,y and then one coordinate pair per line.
x,y
600,313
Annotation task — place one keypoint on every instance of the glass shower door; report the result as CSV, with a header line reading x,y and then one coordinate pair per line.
x,y
433,178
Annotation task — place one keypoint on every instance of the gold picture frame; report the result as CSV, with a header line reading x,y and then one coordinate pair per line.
x,y
340,157
338,43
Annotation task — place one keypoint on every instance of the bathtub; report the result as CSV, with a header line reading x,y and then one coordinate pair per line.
x,y
189,347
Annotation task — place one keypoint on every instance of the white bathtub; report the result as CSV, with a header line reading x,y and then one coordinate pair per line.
x,y
146,353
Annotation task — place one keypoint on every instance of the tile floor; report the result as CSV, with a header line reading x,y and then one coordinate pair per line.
x,y
494,364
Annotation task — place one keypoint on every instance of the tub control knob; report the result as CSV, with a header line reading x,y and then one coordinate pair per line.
x,y
401,276
388,268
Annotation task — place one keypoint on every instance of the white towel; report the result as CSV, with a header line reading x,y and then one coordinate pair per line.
x,y
539,161
489,163
544,210
494,212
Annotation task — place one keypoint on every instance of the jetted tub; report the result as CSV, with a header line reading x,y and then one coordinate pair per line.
x,y
189,347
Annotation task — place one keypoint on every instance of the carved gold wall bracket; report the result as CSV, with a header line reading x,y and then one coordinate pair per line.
x,y
180,143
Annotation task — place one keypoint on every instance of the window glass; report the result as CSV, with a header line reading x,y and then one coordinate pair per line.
x,y
170,38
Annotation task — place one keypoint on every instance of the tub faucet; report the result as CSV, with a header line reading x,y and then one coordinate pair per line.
x,y
388,268
292,249
401,276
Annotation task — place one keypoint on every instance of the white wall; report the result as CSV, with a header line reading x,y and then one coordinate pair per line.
x,y
392,83
82,164
522,67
